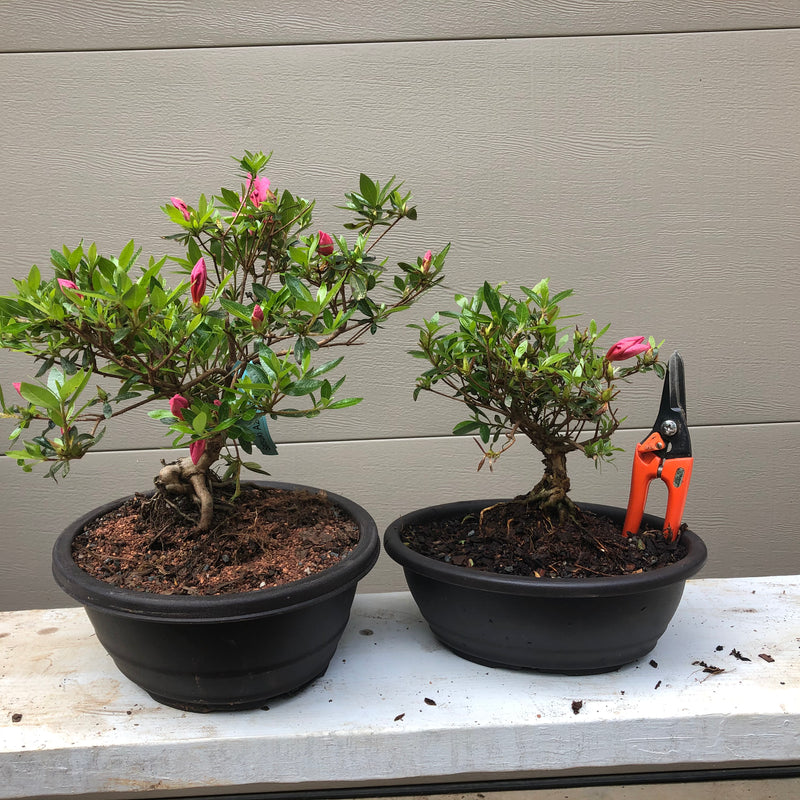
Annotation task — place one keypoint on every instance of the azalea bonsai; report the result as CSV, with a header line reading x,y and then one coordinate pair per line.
x,y
520,371
538,581
233,344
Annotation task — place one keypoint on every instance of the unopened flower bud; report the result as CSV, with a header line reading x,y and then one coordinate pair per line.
x,y
196,449
426,261
257,318
176,405
197,281
181,206
627,348
325,246
65,284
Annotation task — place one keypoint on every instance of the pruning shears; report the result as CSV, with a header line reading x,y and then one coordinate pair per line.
x,y
666,453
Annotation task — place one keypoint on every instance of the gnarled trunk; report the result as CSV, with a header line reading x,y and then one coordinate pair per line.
x,y
186,477
551,493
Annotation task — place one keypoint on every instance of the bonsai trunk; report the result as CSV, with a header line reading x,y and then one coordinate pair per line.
x,y
551,493
186,477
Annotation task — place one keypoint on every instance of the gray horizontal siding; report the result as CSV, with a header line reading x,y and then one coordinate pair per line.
x,y
45,25
655,174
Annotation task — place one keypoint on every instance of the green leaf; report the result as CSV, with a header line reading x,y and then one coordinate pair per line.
x,y
303,386
40,396
237,309
467,427
346,403
199,422
369,191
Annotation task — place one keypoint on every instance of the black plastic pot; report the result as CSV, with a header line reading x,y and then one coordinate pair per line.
x,y
228,652
571,626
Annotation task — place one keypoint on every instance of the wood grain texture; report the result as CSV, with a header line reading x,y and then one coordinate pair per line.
x,y
743,499
41,25
655,174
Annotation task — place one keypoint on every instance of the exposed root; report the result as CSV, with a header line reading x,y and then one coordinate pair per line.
x,y
184,477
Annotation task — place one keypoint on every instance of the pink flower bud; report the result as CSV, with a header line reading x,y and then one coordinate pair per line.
x,y
627,348
197,283
257,318
176,405
17,385
260,189
325,246
426,261
65,284
196,449
181,206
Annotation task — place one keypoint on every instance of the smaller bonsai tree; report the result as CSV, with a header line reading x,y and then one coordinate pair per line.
x,y
235,342
520,371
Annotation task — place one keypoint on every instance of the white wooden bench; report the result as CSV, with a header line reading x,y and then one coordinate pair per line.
x,y
396,709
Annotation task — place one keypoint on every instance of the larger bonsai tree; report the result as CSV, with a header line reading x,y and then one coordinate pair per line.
x,y
519,370
234,344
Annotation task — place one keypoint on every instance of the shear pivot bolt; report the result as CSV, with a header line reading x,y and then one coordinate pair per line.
x,y
669,427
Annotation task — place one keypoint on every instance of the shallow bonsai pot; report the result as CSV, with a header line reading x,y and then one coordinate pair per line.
x,y
570,626
227,652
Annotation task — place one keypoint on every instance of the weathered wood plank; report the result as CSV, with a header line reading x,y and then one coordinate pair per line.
x,y
87,731
743,499
655,174
40,25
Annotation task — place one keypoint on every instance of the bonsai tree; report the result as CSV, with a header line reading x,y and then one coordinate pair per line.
x,y
519,370
235,343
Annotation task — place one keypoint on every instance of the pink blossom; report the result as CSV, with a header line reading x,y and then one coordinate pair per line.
x,y
196,449
181,206
257,318
627,348
260,189
426,261
17,385
197,284
325,246
176,405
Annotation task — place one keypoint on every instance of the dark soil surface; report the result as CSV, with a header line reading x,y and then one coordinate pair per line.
x,y
266,537
510,540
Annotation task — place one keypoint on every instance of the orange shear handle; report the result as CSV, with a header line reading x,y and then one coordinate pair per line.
x,y
648,464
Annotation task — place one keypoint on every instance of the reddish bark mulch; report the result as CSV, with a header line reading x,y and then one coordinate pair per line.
x,y
266,537
515,541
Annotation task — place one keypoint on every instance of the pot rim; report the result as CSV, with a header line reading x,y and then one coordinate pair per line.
x,y
92,592
527,586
